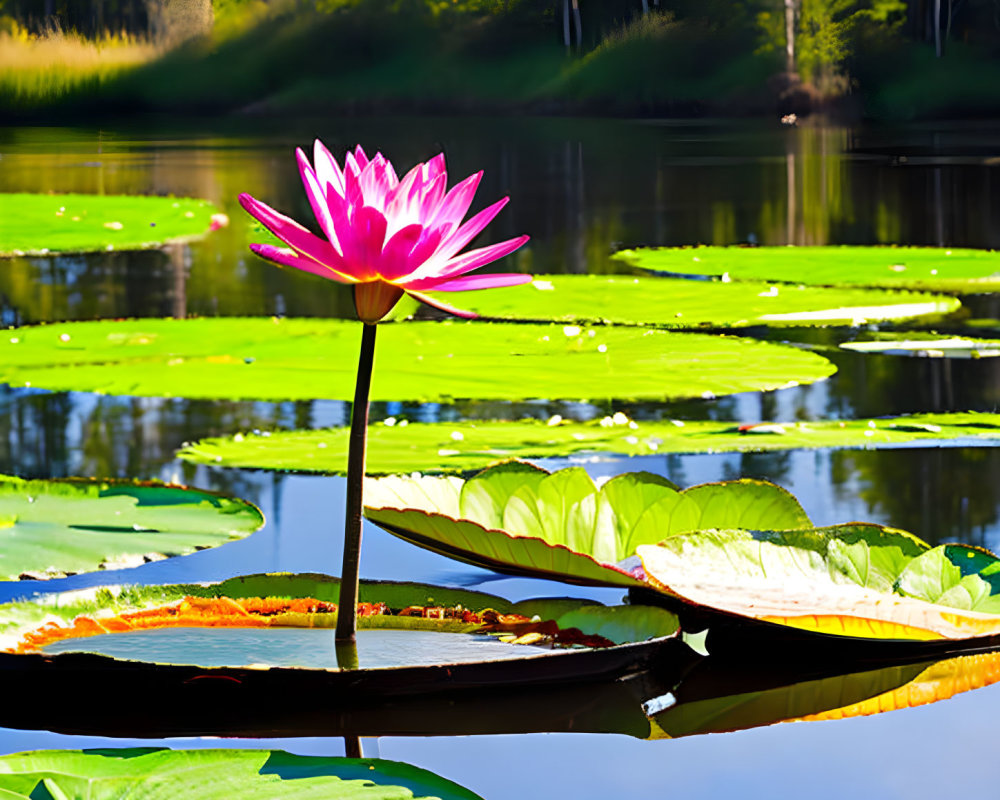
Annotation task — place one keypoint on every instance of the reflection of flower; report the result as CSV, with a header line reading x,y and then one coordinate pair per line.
x,y
384,235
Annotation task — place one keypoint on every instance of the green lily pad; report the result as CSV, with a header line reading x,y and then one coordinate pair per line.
x,y
927,346
522,520
58,527
934,268
39,224
679,303
464,446
853,580
146,773
124,608
293,359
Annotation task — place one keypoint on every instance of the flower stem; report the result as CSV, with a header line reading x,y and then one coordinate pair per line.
x,y
347,611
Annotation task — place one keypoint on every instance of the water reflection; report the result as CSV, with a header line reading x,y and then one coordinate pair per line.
x,y
582,189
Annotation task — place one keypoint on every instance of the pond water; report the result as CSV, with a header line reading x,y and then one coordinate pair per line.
x,y
581,188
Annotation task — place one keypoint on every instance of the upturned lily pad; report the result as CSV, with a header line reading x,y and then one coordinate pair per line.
x,y
744,548
294,359
856,580
522,520
440,447
214,775
39,224
58,527
934,268
679,303
927,346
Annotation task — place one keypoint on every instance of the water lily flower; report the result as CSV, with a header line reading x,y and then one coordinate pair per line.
x,y
386,235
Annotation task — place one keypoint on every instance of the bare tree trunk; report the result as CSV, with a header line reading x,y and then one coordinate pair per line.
x,y
566,23
577,27
645,7
790,35
937,28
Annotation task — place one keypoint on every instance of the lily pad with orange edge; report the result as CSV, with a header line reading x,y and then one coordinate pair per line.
x,y
183,697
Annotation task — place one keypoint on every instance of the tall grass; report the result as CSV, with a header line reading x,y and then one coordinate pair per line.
x,y
39,70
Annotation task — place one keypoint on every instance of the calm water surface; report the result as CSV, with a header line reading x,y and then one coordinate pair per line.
x,y
581,188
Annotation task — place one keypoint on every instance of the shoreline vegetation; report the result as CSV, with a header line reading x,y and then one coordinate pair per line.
x,y
878,59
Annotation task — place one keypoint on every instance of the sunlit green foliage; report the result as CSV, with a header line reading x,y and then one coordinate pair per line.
x,y
215,775
398,446
302,359
53,528
54,223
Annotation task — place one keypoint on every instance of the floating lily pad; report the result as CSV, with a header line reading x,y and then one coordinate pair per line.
x,y
283,602
521,520
39,224
272,359
856,580
440,447
679,303
934,268
928,347
58,527
215,774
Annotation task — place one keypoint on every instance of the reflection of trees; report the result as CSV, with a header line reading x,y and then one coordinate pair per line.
x,y
876,385
940,494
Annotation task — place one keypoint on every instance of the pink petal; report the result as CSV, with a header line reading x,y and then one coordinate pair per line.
x,y
353,192
456,203
471,229
473,282
433,301
398,200
363,245
468,262
351,165
327,169
360,156
429,242
432,197
292,234
435,166
316,195
396,253
374,182
287,257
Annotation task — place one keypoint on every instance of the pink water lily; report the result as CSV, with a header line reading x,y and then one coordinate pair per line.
x,y
387,235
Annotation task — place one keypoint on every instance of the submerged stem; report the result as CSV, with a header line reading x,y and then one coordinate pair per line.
x,y
347,611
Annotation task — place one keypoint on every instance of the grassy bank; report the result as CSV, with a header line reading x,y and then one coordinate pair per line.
x,y
373,56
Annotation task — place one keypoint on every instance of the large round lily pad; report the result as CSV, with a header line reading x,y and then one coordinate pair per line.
x,y
308,601
147,773
58,527
468,445
519,519
679,303
67,691
286,359
934,268
39,224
